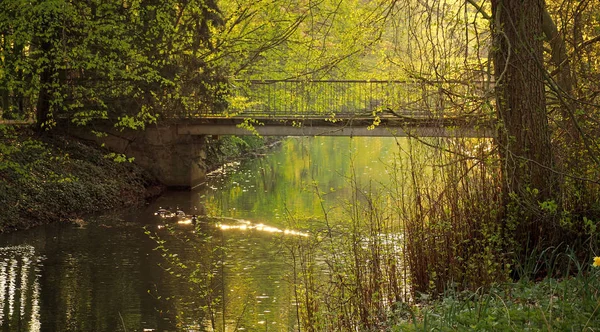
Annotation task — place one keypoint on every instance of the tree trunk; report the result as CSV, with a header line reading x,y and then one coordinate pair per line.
x,y
45,37
524,138
43,100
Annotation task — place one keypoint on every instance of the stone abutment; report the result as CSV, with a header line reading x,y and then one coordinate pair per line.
x,y
176,160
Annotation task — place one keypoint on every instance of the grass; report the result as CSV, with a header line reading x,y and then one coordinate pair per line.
x,y
569,304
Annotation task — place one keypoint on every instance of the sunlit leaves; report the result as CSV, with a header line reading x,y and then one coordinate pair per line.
x,y
298,39
119,157
107,59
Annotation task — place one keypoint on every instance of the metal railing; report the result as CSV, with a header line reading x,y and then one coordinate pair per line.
x,y
339,98
317,98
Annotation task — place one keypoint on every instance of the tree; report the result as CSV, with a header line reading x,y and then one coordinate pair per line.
x,y
16,76
524,137
126,62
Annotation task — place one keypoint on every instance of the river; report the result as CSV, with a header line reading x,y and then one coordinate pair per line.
x,y
235,267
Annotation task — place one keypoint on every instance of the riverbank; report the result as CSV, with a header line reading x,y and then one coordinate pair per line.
x,y
567,304
52,178
55,178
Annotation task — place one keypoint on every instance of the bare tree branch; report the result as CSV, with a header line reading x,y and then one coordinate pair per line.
x,y
480,9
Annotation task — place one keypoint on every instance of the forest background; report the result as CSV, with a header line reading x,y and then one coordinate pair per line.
x,y
504,208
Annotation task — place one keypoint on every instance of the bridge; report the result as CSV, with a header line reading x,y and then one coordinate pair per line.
x,y
174,148
341,108
336,108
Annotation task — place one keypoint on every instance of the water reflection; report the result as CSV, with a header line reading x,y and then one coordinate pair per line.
x,y
92,278
234,267
287,180
19,288
235,272
257,214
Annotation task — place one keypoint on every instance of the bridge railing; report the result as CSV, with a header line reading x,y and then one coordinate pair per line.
x,y
316,98
341,98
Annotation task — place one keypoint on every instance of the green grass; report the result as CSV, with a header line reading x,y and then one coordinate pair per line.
x,y
569,304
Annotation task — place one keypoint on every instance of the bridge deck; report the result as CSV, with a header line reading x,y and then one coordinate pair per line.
x,y
339,126
342,108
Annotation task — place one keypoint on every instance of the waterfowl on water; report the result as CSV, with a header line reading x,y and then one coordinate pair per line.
x,y
179,213
80,222
164,213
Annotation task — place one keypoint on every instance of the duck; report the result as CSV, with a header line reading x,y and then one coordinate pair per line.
x,y
163,213
80,222
179,212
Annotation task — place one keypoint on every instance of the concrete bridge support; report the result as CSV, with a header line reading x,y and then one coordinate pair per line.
x,y
176,160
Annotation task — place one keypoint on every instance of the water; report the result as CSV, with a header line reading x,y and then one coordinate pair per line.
x,y
133,270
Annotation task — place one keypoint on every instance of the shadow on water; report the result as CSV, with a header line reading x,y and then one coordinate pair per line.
x,y
111,273
90,278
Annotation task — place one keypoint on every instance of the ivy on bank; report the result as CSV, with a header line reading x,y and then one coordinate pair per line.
x,y
60,179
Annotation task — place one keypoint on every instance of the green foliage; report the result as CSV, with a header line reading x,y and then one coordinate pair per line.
x,y
295,39
58,179
126,62
570,304
119,157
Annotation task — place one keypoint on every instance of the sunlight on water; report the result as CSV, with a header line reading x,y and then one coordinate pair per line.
x,y
247,225
19,288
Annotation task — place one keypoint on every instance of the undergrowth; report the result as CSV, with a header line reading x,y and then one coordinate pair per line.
x,y
53,178
569,304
